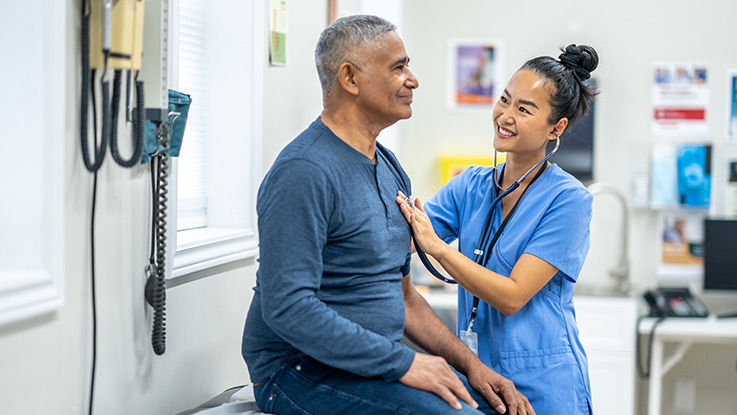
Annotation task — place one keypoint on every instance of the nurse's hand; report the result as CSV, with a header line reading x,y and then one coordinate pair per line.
x,y
424,234
492,385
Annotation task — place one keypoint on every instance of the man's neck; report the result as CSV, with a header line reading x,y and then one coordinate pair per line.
x,y
353,127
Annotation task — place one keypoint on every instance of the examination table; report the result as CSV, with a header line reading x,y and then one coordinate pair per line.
x,y
236,400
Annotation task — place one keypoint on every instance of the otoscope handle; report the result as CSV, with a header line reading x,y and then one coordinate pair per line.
x,y
107,26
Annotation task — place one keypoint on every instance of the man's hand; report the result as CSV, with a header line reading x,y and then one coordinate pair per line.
x,y
491,384
432,374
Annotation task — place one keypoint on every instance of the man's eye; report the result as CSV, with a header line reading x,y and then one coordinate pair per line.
x,y
523,109
504,100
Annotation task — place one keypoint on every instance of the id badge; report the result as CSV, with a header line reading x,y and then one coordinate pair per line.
x,y
471,339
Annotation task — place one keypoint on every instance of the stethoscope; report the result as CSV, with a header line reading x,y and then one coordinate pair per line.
x,y
479,252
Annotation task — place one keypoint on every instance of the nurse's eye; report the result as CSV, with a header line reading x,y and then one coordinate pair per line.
x,y
504,100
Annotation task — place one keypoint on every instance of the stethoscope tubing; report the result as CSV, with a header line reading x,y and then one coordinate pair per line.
x,y
484,240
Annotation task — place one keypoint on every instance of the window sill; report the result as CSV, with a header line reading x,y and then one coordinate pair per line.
x,y
200,249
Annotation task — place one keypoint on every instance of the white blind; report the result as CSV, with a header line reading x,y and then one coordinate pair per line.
x,y
192,80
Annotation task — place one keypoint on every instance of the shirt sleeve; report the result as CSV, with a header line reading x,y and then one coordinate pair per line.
x,y
294,207
562,236
444,208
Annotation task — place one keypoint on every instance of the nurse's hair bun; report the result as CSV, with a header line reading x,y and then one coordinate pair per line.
x,y
582,60
570,95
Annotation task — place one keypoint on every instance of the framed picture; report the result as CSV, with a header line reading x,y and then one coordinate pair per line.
x,y
278,32
474,74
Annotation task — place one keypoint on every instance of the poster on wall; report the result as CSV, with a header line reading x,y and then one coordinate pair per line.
x,y
681,245
731,194
732,105
474,74
680,99
451,165
278,32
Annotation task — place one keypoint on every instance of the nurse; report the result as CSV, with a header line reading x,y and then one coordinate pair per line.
x,y
524,324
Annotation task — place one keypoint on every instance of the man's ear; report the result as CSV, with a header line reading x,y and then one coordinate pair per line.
x,y
558,129
347,77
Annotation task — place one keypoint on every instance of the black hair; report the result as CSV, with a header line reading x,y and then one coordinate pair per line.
x,y
570,96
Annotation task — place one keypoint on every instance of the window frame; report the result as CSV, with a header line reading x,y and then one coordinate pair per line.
x,y
218,244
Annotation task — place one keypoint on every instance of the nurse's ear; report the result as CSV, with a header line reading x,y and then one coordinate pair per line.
x,y
558,129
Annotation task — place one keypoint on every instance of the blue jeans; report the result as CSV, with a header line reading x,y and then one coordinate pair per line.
x,y
305,386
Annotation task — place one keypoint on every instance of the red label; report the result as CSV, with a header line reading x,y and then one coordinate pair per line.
x,y
674,114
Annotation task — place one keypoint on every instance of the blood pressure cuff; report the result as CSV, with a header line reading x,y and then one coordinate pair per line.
x,y
178,103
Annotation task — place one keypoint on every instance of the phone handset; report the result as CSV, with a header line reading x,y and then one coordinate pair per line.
x,y
674,302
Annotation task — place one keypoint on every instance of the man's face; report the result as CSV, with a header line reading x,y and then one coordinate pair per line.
x,y
384,80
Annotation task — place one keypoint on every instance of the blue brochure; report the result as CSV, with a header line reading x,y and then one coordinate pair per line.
x,y
694,175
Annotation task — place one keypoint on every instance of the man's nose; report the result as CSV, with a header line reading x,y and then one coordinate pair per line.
x,y
411,81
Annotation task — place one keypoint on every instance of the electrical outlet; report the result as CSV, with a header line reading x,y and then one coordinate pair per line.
x,y
684,395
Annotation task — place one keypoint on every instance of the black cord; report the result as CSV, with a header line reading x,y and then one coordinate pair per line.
x,y
94,297
138,122
645,372
87,84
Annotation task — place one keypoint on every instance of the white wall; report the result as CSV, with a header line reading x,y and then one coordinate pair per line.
x,y
46,361
293,98
629,35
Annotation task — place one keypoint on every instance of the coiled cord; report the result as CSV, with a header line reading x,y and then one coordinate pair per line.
x,y
115,109
106,111
158,334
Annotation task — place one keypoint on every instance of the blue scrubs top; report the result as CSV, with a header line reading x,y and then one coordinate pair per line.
x,y
537,347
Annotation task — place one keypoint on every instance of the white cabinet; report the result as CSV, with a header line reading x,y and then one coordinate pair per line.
x,y
607,331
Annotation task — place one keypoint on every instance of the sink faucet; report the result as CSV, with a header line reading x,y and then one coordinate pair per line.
x,y
620,273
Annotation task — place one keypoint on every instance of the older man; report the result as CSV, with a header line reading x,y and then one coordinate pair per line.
x,y
333,294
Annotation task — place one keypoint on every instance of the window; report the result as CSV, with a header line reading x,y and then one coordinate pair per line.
x,y
192,79
32,214
217,59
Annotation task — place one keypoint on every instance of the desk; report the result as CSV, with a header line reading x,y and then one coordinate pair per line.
x,y
684,332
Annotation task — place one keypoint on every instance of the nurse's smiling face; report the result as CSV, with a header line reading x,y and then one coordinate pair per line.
x,y
521,115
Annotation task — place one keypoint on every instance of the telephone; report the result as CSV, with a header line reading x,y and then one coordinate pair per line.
x,y
674,302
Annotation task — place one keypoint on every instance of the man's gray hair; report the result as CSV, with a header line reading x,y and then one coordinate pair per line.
x,y
340,39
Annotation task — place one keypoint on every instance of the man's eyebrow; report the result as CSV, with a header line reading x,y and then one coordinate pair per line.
x,y
403,60
522,101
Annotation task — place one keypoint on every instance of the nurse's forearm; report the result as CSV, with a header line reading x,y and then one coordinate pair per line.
x,y
507,295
